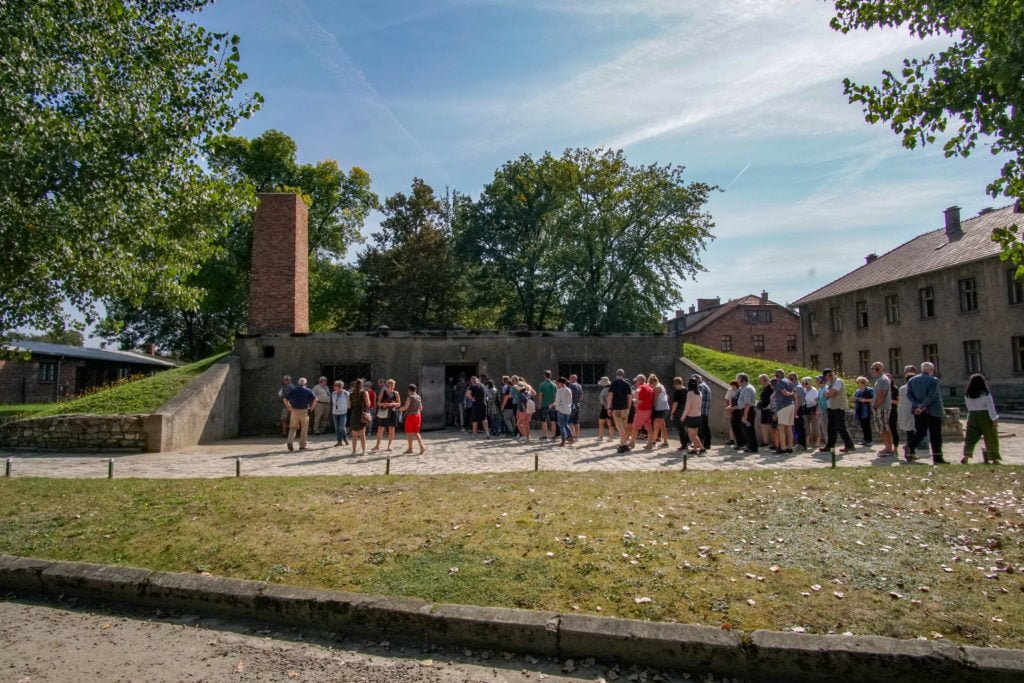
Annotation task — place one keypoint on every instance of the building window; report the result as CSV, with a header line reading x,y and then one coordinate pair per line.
x,y
930,352
727,342
812,323
124,373
760,315
972,356
862,314
895,360
1018,353
892,309
1014,287
815,363
968,295
791,342
927,298
587,372
835,319
864,360
758,342
47,372
346,372
837,363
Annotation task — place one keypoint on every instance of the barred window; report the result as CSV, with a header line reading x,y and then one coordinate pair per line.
x,y
930,352
726,342
346,372
892,309
758,343
972,356
968,295
927,300
864,360
791,342
588,372
862,314
895,360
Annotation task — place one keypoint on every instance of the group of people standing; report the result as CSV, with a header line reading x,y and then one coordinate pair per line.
x,y
787,412
811,413
352,411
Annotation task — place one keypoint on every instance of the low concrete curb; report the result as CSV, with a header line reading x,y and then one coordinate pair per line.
x,y
759,656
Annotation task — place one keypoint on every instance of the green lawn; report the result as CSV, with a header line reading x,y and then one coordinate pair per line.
x,y
140,396
908,552
725,366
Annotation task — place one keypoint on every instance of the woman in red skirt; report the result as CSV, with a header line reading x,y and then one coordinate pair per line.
x,y
413,410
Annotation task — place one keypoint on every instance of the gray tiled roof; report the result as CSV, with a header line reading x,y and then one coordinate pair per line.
x,y
44,349
923,254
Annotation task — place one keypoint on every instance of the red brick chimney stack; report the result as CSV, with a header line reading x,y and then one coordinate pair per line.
x,y
279,274
764,298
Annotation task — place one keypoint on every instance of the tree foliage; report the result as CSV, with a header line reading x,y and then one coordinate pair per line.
x,y
413,277
971,91
339,203
588,241
105,109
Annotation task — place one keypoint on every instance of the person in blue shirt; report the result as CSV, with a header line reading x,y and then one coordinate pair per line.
x,y
299,401
926,403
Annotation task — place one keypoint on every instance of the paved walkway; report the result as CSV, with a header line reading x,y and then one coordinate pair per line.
x,y
448,452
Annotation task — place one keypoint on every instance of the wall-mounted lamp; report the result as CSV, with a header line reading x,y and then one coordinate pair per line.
x,y
462,350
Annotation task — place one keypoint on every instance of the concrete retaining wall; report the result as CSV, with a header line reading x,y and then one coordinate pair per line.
x,y
206,410
61,432
758,656
718,419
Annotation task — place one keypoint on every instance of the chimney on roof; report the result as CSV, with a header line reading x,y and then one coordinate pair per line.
x,y
871,258
693,309
708,303
764,298
150,349
953,229
680,314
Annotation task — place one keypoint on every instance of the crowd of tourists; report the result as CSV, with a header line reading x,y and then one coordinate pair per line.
x,y
786,413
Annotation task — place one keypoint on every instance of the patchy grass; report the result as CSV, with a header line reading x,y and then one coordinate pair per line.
x,y
140,396
904,553
725,366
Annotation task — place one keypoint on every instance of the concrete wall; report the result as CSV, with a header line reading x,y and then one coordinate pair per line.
x,y
995,323
718,418
206,410
102,432
403,356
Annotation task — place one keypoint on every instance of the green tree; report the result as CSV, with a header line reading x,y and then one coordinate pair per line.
x,y
973,90
629,236
587,241
414,279
512,232
339,203
106,107
67,336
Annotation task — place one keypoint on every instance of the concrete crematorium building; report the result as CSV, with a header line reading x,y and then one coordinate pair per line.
x,y
278,342
944,296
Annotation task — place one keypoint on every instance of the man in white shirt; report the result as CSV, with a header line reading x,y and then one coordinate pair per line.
x,y
323,406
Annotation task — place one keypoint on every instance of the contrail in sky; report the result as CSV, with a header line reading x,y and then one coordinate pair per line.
x,y
738,176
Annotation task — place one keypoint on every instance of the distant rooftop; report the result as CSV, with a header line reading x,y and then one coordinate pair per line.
x,y
57,350
925,253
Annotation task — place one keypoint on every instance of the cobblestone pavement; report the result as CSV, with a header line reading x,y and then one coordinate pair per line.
x,y
451,452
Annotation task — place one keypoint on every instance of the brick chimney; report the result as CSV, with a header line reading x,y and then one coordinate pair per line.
x,y
279,274
764,298
953,229
871,258
708,303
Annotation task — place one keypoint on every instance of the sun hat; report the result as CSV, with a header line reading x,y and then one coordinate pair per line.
x,y
603,382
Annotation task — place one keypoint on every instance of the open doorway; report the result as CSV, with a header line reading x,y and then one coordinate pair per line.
x,y
453,402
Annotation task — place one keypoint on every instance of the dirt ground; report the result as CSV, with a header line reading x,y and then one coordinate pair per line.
x,y
69,642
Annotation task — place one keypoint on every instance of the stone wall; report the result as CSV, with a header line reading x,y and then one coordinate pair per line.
x,y
76,432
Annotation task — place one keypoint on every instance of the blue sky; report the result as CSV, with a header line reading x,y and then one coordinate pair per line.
x,y
746,94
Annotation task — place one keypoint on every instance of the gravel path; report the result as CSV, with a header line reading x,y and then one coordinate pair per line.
x,y
67,643
448,452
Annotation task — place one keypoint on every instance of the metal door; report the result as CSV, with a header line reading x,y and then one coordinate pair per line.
x,y
432,391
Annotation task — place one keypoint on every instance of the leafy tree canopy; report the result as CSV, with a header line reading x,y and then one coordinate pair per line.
x,y
971,91
339,203
588,241
106,107
413,277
